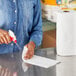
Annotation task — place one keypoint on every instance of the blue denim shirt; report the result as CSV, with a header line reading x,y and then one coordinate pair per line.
x,y
23,17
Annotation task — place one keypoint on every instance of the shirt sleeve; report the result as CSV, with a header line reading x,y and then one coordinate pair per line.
x,y
36,35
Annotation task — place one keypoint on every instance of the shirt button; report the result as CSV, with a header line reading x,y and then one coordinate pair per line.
x,y
15,11
11,44
14,0
14,22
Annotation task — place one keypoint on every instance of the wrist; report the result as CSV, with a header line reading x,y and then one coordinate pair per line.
x,y
32,43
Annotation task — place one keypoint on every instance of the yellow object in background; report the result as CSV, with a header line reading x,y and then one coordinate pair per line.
x,y
50,2
73,2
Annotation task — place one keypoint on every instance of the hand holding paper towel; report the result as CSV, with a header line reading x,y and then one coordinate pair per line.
x,y
38,61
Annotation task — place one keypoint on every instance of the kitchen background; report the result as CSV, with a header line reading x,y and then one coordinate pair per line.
x,y
49,15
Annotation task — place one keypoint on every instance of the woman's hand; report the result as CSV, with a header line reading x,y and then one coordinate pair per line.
x,y
30,52
4,37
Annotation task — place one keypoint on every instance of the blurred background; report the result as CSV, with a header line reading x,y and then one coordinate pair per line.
x,y
49,16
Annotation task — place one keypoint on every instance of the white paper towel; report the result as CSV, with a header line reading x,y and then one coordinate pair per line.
x,y
67,66
66,33
38,60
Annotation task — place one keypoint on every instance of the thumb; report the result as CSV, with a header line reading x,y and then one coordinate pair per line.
x,y
26,45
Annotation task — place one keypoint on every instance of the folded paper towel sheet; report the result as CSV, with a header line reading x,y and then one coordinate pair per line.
x,y
38,60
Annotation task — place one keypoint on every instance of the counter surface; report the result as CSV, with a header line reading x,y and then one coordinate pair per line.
x,y
12,65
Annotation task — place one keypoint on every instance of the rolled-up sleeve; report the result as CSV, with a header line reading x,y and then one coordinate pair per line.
x,y
36,35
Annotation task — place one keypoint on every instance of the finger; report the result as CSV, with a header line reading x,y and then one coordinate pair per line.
x,y
6,35
26,57
4,39
6,72
27,53
9,73
0,43
7,38
31,55
1,40
2,72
